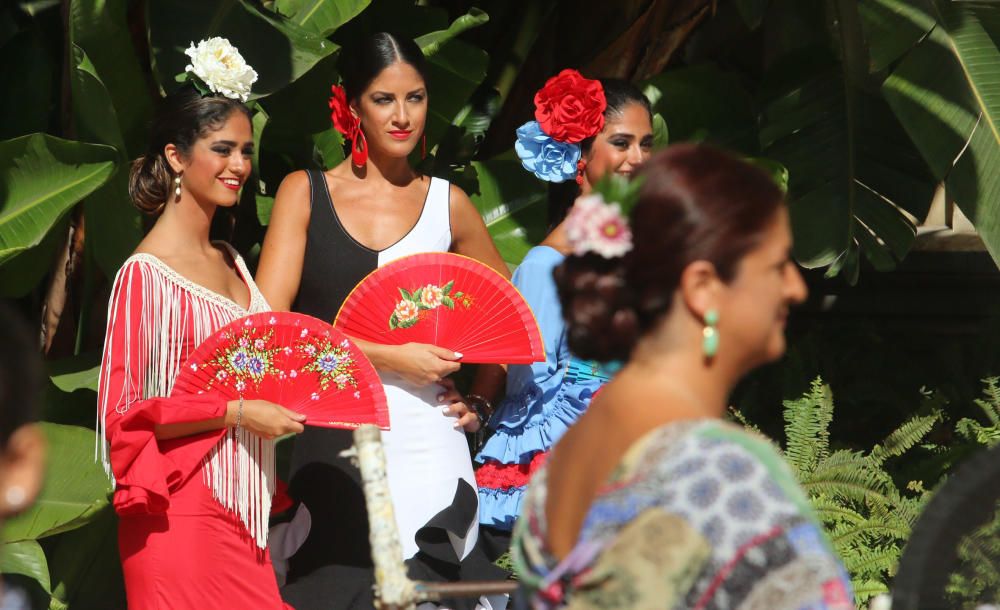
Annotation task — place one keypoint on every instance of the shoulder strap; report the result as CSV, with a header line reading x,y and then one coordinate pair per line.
x,y
317,187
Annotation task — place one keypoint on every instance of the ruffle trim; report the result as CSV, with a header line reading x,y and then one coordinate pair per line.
x,y
494,475
146,470
517,446
500,508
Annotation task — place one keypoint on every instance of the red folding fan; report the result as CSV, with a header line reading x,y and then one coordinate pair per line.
x,y
293,360
447,300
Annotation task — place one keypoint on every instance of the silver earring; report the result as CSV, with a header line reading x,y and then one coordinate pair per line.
x,y
177,186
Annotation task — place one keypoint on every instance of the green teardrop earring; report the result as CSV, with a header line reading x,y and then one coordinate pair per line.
x,y
710,335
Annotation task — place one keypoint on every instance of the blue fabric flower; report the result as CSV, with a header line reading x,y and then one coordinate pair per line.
x,y
548,159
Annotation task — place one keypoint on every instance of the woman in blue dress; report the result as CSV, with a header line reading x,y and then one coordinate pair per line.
x,y
544,399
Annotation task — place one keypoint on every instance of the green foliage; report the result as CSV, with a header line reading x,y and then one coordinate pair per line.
x,y
976,577
43,177
867,517
973,430
513,206
75,490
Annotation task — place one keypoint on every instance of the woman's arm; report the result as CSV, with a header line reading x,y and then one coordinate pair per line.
x,y
469,236
265,419
280,269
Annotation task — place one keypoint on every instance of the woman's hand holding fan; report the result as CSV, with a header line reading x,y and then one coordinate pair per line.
x,y
265,419
446,300
420,364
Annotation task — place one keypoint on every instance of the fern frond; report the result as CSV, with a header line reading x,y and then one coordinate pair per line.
x,y
848,474
871,562
902,438
737,415
846,534
977,433
991,406
807,427
867,589
831,511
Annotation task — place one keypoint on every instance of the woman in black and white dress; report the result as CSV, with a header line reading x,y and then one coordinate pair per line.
x,y
328,231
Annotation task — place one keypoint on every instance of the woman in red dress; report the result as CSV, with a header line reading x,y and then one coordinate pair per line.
x,y
194,475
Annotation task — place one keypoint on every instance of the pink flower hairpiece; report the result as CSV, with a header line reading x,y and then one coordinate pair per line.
x,y
594,225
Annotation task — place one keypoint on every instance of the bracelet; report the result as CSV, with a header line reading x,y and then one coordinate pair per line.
x,y
239,414
487,406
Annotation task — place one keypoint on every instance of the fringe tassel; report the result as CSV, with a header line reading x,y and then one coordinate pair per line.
x,y
240,469
240,473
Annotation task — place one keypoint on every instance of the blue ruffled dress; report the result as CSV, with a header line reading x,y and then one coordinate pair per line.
x,y
542,399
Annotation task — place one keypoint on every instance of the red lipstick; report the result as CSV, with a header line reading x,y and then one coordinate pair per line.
x,y
232,187
400,134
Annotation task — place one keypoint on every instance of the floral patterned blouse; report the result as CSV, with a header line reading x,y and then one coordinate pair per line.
x,y
698,514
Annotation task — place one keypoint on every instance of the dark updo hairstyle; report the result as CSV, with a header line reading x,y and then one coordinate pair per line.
x,y
20,373
376,53
618,93
696,203
182,118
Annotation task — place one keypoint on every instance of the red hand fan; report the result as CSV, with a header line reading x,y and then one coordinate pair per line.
x,y
447,300
293,360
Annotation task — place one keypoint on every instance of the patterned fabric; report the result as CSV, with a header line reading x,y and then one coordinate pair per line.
x,y
541,400
696,515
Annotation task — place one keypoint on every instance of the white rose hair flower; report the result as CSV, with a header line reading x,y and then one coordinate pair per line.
x,y
221,68
593,225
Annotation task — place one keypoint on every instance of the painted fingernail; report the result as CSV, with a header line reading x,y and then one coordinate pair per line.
x,y
458,354
440,397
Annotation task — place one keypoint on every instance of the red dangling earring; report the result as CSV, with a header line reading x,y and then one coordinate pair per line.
x,y
423,146
580,165
359,146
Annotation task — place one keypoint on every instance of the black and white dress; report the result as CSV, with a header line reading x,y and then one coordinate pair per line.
x,y
428,463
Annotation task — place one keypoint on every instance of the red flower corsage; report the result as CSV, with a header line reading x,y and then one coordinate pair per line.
x,y
570,108
340,113
348,125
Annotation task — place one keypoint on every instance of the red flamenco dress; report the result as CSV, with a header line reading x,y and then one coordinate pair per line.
x,y
193,510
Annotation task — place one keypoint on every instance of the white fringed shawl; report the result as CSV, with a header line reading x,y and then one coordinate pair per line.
x,y
174,312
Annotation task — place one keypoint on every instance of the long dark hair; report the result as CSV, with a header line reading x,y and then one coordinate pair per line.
x,y
182,118
696,203
619,94
375,53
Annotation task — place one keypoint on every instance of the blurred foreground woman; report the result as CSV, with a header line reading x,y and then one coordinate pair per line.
x,y
651,500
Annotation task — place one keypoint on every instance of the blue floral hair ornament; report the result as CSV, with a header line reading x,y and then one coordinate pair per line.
x,y
546,158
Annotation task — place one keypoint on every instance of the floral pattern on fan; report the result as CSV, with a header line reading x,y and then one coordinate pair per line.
x,y
409,310
333,363
247,357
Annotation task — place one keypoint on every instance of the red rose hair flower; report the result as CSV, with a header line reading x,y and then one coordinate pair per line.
x,y
570,108
340,113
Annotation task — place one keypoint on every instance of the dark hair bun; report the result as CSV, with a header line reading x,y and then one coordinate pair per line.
x,y
149,183
599,307
696,203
